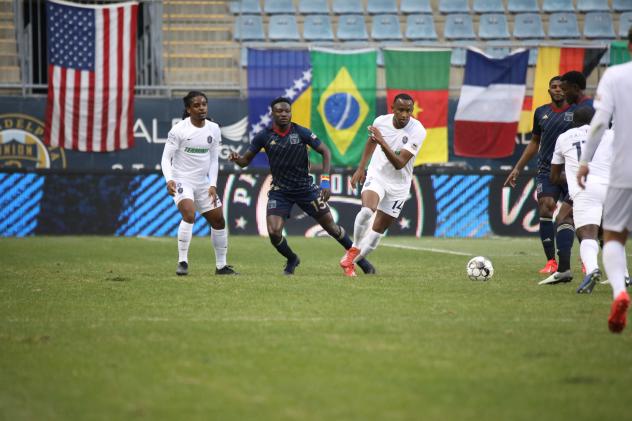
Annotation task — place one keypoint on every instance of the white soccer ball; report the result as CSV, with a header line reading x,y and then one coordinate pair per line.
x,y
479,268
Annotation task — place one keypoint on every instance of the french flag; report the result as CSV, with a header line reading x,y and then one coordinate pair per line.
x,y
487,116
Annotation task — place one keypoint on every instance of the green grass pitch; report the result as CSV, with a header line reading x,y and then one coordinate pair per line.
x,y
100,328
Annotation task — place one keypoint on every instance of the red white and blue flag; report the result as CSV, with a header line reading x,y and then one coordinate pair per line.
x,y
487,116
91,75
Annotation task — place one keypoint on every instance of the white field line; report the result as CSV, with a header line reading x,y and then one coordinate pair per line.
x,y
431,249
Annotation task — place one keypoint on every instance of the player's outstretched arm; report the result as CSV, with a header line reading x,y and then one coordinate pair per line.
x,y
528,153
241,160
325,186
360,173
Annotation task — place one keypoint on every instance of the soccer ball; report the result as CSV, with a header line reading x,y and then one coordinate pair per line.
x,y
480,268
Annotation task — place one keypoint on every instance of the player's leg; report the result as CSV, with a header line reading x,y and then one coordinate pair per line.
x,y
589,251
547,197
564,240
214,215
186,206
372,238
370,200
279,207
587,212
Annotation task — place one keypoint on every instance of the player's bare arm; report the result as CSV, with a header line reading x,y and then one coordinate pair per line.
x,y
212,193
242,161
171,187
398,160
529,152
359,174
325,187
557,176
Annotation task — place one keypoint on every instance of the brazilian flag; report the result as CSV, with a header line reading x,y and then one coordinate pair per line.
x,y
343,101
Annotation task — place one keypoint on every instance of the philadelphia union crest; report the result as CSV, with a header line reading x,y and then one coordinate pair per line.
x,y
21,144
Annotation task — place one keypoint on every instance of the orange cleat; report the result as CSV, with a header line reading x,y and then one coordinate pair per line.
x,y
550,267
347,261
616,320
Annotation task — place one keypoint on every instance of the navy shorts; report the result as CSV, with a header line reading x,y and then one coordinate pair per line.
x,y
280,202
547,189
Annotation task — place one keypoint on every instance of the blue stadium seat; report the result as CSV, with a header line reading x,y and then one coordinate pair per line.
x,y
622,5
488,6
278,7
313,7
341,7
523,6
528,26
458,26
453,6
317,28
532,45
420,27
598,25
552,6
248,28
493,26
245,7
496,51
459,53
563,25
385,28
378,7
415,6
352,28
283,28
585,6
625,21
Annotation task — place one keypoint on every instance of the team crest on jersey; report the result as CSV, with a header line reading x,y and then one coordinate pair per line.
x,y
179,188
294,139
568,116
209,139
405,140
272,204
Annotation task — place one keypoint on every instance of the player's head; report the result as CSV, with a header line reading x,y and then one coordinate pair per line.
x,y
582,116
555,89
195,105
573,85
281,109
403,105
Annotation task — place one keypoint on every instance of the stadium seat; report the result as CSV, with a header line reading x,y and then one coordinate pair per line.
x,y
458,27
385,28
523,6
493,26
563,25
625,21
532,45
313,7
420,27
352,28
459,53
585,6
528,26
341,7
496,51
317,28
378,7
245,7
622,5
552,6
248,28
453,6
278,7
598,25
488,6
283,28
415,6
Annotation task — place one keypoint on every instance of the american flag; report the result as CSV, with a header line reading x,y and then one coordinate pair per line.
x,y
91,75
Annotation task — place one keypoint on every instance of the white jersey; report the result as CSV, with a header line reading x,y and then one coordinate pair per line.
x,y
568,150
614,96
409,138
191,153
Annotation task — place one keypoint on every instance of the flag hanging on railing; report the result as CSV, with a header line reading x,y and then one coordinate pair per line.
x,y
91,75
619,52
486,119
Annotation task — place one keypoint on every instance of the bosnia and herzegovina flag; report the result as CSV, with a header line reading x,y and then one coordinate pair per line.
x,y
424,75
343,101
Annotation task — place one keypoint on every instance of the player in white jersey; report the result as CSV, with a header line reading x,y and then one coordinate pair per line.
x,y
614,99
387,181
190,164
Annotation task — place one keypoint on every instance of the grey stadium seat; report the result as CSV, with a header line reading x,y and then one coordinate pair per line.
x,y
523,6
415,6
377,7
493,26
316,7
386,28
352,28
552,6
420,28
585,6
528,26
458,27
317,28
453,6
340,7
248,28
488,6
622,5
598,25
283,28
625,21
245,7
563,25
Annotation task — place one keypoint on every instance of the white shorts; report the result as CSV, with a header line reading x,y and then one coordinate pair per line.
x,y
391,200
588,205
617,210
199,195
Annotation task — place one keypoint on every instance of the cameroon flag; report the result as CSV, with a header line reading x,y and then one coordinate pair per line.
x,y
424,75
343,101
619,52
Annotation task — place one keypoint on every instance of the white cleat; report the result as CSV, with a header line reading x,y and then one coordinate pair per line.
x,y
557,278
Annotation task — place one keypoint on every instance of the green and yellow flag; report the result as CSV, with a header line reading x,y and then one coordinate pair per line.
x,y
343,101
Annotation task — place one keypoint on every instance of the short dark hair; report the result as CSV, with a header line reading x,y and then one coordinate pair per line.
x,y
582,116
554,78
279,100
574,77
188,99
404,97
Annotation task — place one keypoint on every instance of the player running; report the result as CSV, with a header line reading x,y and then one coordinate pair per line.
x,y
286,145
386,184
190,165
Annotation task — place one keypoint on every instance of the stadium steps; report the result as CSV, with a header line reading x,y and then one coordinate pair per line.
x,y
9,63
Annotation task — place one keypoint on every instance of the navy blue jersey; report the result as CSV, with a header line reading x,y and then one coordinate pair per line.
x,y
288,156
549,122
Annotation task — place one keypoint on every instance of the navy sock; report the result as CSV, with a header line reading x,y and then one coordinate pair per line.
x,y
547,236
284,248
345,241
564,240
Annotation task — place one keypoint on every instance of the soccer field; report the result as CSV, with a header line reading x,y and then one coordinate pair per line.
x,y
101,328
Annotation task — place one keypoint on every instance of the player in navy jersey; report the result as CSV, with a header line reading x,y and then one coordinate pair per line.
x,y
286,145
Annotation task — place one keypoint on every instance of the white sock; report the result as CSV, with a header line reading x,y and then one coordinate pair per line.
x,y
219,238
369,243
361,225
185,231
589,250
615,263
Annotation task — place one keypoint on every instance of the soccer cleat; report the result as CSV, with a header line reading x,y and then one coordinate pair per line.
x,y
350,271
182,269
618,310
583,269
291,265
557,278
627,281
550,267
366,266
226,270
347,264
589,282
